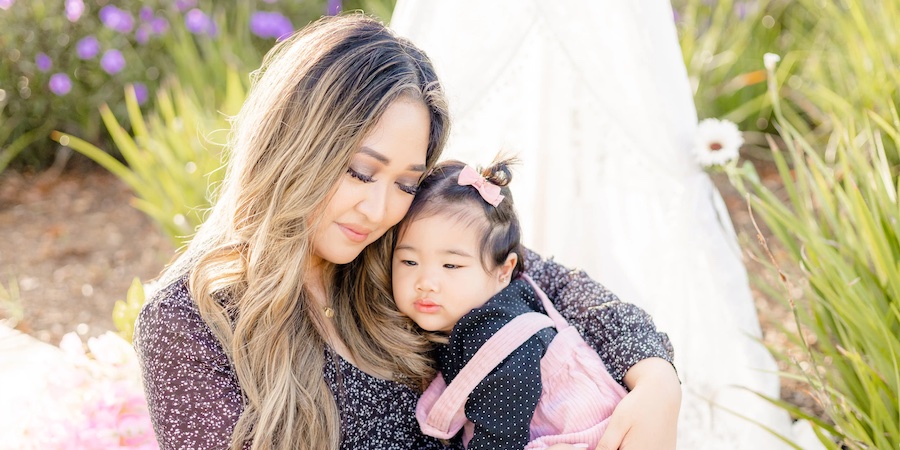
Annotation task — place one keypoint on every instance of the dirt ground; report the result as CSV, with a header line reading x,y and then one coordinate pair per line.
x,y
72,244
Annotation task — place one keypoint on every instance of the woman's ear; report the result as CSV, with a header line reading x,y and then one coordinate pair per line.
x,y
506,269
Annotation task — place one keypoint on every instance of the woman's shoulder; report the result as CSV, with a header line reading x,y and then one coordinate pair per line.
x,y
171,302
170,315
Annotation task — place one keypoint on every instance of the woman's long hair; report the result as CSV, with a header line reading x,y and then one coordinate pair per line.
x,y
315,97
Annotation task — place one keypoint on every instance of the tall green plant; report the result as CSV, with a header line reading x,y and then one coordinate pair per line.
x,y
840,227
125,312
172,157
851,54
721,43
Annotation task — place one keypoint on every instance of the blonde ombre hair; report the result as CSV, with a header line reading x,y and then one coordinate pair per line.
x,y
315,97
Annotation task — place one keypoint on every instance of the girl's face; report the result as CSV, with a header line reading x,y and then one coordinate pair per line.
x,y
438,274
379,185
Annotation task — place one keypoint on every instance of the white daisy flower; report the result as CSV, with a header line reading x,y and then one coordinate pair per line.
x,y
770,60
716,142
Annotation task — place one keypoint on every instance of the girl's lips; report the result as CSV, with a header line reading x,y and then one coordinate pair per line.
x,y
426,306
355,234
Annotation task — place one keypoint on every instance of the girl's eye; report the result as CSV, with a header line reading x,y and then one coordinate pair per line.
x,y
359,176
409,189
451,266
407,262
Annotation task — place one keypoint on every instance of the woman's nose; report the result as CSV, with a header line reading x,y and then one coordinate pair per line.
x,y
374,204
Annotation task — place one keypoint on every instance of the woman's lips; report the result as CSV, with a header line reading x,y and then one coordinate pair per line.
x,y
426,306
354,233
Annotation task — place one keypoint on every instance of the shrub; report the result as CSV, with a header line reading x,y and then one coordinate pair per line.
x,y
60,67
840,227
173,156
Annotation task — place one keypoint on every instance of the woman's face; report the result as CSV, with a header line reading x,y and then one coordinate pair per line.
x,y
379,185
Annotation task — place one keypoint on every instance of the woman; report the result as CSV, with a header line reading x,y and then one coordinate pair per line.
x,y
276,328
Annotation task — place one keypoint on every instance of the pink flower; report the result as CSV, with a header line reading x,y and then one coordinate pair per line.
x,y
74,10
133,423
99,402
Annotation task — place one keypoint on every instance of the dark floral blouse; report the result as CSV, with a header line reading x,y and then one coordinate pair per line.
x,y
195,399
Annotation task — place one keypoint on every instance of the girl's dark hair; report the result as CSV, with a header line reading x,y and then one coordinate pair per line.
x,y
440,193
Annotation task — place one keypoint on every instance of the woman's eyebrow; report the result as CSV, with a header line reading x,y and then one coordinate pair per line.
x,y
387,161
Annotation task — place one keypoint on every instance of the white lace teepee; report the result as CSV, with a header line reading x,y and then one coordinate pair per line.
x,y
593,96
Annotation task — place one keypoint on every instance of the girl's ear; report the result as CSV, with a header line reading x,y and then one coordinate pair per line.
x,y
506,269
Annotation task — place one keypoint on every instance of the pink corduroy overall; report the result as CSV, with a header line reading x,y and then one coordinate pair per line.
x,y
578,396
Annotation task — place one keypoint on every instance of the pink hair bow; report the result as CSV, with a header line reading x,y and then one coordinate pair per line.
x,y
490,192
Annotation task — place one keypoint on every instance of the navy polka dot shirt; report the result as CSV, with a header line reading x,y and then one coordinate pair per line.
x,y
502,405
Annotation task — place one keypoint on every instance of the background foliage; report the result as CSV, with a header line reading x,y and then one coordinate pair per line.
x,y
157,40
825,117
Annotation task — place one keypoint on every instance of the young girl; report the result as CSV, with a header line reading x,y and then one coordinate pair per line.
x,y
457,272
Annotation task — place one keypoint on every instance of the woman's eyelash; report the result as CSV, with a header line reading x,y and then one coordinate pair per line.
x,y
411,190
359,176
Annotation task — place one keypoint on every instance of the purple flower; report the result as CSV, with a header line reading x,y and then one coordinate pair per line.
x,y
159,25
140,92
117,19
744,9
87,47
60,84
6,4
146,14
333,8
112,61
74,9
43,62
184,5
198,22
270,1
270,25
142,35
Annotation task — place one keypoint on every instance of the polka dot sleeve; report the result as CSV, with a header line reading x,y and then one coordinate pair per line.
x,y
622,333
192,391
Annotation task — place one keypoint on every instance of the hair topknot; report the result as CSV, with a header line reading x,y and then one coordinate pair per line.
x,y
499,171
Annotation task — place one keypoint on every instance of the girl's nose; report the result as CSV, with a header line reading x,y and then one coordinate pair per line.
x,y
426,283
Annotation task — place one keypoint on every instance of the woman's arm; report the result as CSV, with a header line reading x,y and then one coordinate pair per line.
x,y
647,418
622,333
192,392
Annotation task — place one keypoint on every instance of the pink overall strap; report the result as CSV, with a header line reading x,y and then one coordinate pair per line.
x,y
492,353
558,320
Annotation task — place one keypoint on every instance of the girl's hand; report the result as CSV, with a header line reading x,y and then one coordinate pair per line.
x,y
647,418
